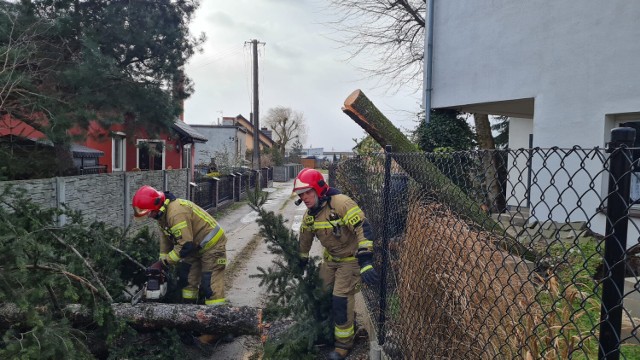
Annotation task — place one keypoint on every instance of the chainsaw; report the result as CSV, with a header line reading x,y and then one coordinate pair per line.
x,y
154,289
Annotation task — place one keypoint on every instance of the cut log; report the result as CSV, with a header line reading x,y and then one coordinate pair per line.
x,y
154,316
361,110
214,320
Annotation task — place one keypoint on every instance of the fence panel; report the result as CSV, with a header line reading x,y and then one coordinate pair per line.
x,y
280,173
203,193
225,188
498,254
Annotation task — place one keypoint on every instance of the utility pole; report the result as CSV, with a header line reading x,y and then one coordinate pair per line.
x,y
256,102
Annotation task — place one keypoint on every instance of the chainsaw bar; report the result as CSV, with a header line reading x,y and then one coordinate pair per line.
x,y
138,296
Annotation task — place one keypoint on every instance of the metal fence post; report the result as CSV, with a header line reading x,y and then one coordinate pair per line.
x,y
331,174
618,203
126,180
61,198
386,202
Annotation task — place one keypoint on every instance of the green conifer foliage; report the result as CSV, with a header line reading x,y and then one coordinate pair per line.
x,y
47,270
295,298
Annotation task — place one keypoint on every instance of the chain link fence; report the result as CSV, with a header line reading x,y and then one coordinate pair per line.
x,y
508,254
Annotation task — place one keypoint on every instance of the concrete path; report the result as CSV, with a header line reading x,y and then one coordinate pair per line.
x,y
245,253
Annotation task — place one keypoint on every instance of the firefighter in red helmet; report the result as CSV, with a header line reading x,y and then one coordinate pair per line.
x,y
344,232
192,240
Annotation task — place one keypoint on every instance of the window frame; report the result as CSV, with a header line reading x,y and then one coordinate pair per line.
x,y
164,153
118,137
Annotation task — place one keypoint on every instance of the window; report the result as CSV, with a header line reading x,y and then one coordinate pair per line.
x,y
118,152
635,174
151,154
186,156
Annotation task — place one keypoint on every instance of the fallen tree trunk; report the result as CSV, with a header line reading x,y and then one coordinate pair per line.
x,y
155,316
361,110
241,320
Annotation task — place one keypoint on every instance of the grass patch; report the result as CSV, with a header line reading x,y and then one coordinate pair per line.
x,y
574,303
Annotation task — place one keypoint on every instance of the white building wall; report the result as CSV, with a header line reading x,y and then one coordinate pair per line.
x,y
519,131
577,60
227,139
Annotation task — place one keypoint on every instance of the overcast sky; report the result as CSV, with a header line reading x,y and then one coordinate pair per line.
x,y
299,67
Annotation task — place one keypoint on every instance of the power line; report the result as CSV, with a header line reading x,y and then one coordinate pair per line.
x,y
220,56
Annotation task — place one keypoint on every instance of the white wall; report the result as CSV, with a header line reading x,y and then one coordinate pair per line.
x,y
519,130
220,139
577,59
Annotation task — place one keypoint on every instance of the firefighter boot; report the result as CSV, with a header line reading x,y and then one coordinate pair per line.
x,y
338,354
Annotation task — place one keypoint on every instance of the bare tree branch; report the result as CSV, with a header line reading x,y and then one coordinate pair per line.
x,y
287,125
86,263
69,275
391,33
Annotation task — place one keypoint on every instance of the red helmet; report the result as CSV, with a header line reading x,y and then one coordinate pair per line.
x,y
310,179
147,199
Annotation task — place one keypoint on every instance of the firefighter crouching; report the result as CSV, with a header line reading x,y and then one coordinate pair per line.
x,y
192,240
340,225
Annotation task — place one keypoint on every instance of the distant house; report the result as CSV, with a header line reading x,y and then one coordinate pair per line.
x,y
233,138
264,135
227,140
321,154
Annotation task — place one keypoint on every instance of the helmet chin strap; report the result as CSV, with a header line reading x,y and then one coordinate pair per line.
x,y
162,209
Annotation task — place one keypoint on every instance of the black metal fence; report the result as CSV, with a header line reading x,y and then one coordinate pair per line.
x,y
87,170
503,254
214,192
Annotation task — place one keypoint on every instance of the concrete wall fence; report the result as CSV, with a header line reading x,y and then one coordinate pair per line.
x,y
102,197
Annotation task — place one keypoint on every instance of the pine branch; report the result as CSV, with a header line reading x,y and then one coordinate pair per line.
x,y
294,295
86,263
72,276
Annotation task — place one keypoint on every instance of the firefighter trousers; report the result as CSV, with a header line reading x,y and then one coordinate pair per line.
x,y
345,279
204,272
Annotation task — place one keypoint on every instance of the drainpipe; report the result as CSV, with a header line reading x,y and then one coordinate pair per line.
x,y
428,64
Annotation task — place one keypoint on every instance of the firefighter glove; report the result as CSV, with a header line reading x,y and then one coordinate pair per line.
x,y
368,273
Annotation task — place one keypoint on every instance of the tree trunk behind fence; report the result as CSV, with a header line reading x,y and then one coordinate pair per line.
x,y
490,163
364,113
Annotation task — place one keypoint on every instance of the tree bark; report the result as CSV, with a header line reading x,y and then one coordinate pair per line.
x,y
496,201
242,320
215,320
359,108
